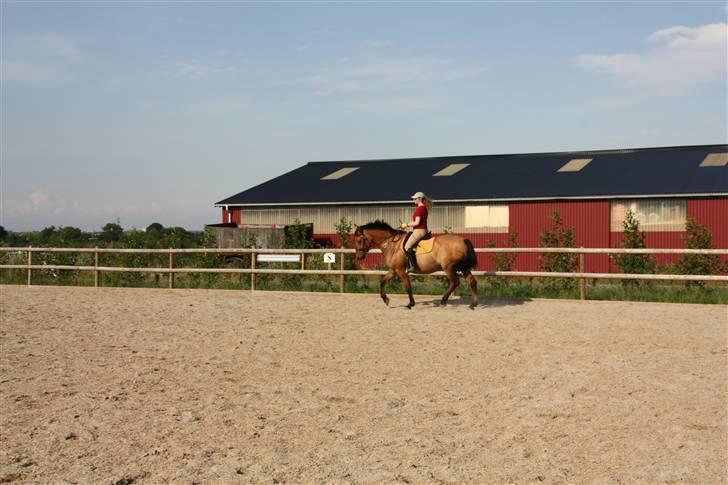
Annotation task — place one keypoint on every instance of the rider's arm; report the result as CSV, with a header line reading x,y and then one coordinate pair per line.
x,y
416,222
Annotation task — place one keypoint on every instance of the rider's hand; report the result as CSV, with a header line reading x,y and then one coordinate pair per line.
x,y
404,225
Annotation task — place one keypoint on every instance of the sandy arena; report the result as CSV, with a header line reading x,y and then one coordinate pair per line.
x,y
122,386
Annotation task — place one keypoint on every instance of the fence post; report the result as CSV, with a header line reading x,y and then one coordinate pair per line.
x,y
303,261
341,276
30,263
170,277
582,281
252,275
96,267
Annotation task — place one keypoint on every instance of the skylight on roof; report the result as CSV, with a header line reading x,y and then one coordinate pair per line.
x,y
715,160
342,172
575,165
451,169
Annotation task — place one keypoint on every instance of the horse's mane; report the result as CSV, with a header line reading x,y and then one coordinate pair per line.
x,y
379,225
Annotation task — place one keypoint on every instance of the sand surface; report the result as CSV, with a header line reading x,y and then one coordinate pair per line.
x,y
121,386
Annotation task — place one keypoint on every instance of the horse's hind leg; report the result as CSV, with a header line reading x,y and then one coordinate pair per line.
x,y
383,283
473,283
452,277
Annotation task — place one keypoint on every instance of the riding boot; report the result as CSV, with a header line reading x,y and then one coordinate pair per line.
x,y
412,260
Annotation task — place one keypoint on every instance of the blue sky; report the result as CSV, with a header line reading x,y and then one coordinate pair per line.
x,y
152,112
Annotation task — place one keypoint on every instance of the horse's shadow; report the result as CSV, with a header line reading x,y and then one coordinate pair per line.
x,y
483,303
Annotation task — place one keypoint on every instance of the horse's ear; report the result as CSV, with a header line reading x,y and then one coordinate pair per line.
x,y
356,228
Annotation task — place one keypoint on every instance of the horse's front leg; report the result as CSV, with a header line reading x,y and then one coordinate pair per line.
x,y
408,286
382,284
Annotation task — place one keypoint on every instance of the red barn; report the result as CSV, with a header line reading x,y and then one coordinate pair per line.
x,y
487,197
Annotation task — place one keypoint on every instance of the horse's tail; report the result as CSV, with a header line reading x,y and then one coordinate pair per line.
x,y
470,260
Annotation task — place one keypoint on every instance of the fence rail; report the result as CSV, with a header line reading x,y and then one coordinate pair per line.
x,y
171,270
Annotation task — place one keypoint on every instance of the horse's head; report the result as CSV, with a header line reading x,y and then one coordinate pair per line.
x,y
362,243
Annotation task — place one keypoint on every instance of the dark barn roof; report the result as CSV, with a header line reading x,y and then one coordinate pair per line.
x,y
669,171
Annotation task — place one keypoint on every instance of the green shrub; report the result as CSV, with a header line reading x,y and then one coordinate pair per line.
x,y
698,236
633,238
558,236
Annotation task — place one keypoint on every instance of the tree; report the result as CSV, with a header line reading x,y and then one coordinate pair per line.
x,y
174,237
558,236
46,235
155,226
698,237
69,237
297,236
633,238
3,233
343,231
154,235
111,232
504,261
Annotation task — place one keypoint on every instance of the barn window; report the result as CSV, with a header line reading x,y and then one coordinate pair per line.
x,y
342,172
654,215
575,165
715,160
489,218
451,169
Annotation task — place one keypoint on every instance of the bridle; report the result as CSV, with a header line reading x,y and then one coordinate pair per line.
x,y
365,244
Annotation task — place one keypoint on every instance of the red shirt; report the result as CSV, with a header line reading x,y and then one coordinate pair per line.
x,y
422,212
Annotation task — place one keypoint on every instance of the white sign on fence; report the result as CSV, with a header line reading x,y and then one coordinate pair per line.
x,y
279,258
329,258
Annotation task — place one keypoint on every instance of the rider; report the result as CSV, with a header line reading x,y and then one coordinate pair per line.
x,y
419,229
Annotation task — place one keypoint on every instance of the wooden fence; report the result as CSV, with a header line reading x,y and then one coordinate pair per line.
x,y
253,270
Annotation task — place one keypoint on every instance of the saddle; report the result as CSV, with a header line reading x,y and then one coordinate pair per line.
x,y
424,245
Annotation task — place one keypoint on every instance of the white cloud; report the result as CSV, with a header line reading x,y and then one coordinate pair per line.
x,y
412,84
49,44
40,58
407,74
34,72
40,198
681,59
379,43
217,106
41,209
200,71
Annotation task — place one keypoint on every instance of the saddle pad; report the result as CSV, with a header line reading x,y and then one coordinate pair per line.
x,y
424,247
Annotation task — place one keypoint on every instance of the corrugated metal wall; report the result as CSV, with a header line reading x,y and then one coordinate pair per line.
x,y
712,212
590,219
472,218
595,223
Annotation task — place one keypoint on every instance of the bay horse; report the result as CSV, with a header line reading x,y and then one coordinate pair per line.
x,y
450,253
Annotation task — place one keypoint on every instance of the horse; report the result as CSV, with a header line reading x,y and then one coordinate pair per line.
x,y
450,253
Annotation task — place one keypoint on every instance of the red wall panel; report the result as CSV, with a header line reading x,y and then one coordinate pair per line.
x,y
590,220
236,216
232,215
713,213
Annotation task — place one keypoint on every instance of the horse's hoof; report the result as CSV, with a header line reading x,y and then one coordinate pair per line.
x,y
443,302
472,306
386,301
409,307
